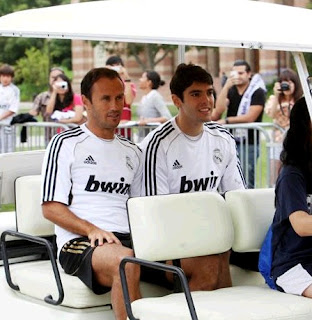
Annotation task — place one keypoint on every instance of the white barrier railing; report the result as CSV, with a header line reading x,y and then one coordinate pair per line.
x,y
36,135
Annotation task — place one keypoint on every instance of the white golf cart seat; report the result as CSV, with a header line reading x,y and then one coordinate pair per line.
x,y
208,225
13,165
37,279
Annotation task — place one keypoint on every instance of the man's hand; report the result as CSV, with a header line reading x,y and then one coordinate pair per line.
x,y
102,236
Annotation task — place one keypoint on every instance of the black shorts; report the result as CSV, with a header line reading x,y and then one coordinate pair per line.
x,y
75,259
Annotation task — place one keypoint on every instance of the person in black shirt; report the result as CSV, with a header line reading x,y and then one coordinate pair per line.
x,y
244,98
292,223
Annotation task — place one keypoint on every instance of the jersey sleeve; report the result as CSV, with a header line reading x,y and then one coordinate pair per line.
x,y
136,184
56,184
233,177
155,173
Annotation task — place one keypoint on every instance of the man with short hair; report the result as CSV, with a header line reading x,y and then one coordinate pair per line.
x,y
89,173
189,153
244,98
9,105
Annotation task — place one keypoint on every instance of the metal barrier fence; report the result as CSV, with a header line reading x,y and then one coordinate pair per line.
x,y
256,159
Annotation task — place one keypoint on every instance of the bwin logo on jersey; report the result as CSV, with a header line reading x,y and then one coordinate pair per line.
x,y
94,185
202,184
217,156
176,165
89,160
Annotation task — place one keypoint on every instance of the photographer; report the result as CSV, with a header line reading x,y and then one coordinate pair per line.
x,y
287,90
64,105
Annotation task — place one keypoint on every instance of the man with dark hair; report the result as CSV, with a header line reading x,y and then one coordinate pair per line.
x,y
188,153
244,98
9,105
116,63
41,101
89,173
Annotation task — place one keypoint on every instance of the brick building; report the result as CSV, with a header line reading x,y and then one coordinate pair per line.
x,y
215,60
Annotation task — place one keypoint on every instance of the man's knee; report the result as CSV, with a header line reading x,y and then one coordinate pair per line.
x,y
206,273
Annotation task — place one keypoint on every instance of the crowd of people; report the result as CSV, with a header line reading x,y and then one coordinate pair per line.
x,y
90,171
241,99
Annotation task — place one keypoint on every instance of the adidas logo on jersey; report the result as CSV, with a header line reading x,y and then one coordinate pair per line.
x,y
176,165
89,160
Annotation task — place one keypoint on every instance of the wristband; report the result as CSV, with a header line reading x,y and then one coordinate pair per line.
x,y
127,80
227,121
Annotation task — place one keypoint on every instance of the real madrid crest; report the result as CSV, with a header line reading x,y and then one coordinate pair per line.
x,y
217,156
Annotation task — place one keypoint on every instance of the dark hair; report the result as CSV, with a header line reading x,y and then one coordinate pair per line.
x,y
93,76
184,77
238,63
290,75
297,145
69,95
7,70
154,77
114,60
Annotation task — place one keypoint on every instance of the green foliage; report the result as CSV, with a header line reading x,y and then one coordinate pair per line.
x,y
31,73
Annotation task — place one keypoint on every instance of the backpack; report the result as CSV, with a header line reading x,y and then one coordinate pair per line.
x,y
265,259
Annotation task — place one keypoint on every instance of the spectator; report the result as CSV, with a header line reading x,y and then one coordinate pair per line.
x,y
42,99
152,107
287,90
171,150
89,173
291,229
9,105
64,105
116,63
244,98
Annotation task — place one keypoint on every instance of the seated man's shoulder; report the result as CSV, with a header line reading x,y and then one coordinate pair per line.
x,y
128,143
161,134
217,129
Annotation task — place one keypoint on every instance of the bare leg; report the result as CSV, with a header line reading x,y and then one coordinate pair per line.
x,y
207,272
308,292
105,264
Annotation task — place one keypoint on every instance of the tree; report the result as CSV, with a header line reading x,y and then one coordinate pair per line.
x,y
13,48
146,55
31,72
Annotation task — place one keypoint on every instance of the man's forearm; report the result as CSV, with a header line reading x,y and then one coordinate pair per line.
x,y
59,214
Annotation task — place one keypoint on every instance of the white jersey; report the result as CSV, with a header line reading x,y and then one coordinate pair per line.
x,y
93,176
177,163
9,101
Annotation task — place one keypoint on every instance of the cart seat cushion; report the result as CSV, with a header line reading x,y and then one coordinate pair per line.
x,y
36,279
236,303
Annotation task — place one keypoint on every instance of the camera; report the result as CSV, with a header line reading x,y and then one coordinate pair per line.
x,y
234,74
62,85
284,86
